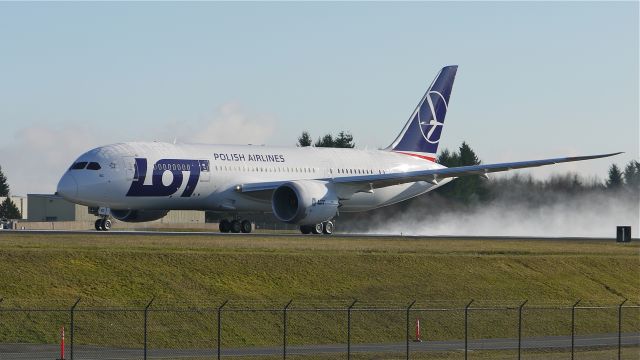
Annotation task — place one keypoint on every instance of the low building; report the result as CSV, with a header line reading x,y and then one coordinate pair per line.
x,y
47,207
47,211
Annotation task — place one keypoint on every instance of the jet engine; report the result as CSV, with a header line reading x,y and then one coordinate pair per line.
x,y
305,202
138,215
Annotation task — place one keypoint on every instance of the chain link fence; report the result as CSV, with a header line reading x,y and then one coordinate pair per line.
x,y
320,330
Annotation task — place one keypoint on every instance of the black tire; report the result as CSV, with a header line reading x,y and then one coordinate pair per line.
x,y
224,226
105,224
245,226
327,227
316,229
305,229
98,225
236,226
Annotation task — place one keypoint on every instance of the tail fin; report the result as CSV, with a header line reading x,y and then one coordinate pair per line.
x,y
421,134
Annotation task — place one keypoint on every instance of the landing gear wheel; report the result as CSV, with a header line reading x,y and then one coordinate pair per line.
x,y
305,229
236,226
98,224
224,226
327,227
245,226
317,229
105,225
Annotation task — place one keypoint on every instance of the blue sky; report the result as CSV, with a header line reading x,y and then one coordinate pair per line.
x,y
535,80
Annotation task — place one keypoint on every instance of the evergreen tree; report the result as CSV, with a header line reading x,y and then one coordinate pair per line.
x,y
4,186
467,155
304,139
615,177
325,141
448,159
344,140
465,189
632,175
9,210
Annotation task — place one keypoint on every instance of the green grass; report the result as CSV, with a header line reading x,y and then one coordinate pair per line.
x,y
198,271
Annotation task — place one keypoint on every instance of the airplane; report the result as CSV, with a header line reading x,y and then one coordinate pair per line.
x,y
305,186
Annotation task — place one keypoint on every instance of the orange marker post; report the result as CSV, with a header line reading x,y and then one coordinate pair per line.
x,y
418,336
61,343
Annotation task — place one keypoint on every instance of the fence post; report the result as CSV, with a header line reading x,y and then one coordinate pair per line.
x,y
466,329
73,308
220,325
573,327
620,329
284,329
349,328
146,310
520,328
408,309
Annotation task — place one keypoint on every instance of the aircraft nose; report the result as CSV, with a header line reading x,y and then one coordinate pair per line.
x,y
68,186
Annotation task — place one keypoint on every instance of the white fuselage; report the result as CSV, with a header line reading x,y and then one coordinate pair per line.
x,y
222,169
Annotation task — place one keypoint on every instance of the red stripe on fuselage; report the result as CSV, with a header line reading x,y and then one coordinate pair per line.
x,y
432,159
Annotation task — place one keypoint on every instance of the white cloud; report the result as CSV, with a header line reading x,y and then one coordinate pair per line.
x,y
231,124
35,158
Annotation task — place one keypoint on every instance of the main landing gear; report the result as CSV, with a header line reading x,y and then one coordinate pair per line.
x,y
235,226
103,224
322,228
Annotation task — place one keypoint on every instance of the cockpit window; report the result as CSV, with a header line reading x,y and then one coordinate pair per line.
x,y
79,165
93,166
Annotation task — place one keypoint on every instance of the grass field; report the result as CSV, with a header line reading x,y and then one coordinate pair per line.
x,y
104,270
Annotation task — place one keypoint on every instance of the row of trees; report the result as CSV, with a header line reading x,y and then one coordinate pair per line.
x,y
470,189
629,178
8,210
523,188
343,140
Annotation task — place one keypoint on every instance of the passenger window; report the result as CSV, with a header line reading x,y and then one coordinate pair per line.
x,y
93,166
79,165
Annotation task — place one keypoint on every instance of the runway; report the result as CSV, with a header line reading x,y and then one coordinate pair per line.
x,y
42,352
294,234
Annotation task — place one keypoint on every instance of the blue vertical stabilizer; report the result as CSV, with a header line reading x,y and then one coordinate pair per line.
x,y
421,134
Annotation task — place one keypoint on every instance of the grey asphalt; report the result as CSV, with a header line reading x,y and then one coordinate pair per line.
x,y
50,352
294,234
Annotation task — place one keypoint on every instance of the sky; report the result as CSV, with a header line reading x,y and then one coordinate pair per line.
x,y
535,80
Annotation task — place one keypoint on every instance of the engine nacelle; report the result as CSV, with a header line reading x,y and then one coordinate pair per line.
x,y
138,215
305,202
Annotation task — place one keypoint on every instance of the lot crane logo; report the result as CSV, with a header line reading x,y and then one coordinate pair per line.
x,y
176,167
430,126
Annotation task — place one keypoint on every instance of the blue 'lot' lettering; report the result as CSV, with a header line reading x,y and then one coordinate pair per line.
x,y
177,167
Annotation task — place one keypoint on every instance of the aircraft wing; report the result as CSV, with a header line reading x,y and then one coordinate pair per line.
x,y
360,182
